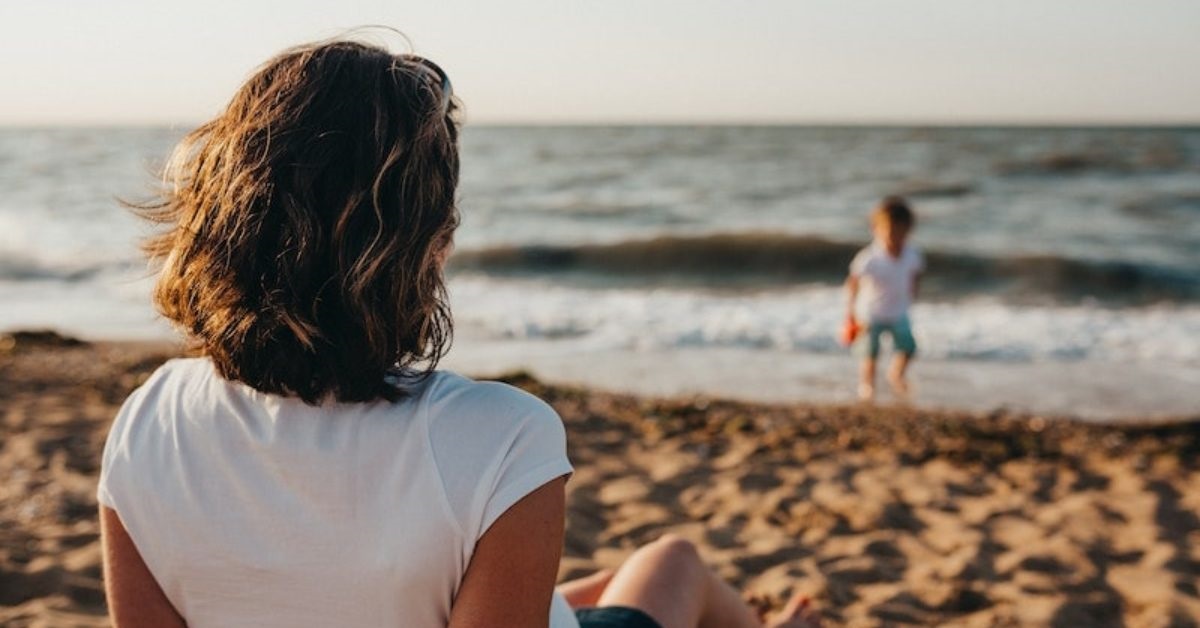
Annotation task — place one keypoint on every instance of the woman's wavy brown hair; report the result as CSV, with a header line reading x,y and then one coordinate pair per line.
x,y
307,223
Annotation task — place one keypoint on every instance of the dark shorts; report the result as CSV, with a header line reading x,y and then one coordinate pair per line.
x,y
900,331
614,617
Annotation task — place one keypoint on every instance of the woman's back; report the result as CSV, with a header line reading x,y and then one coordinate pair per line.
x,y
258,509
287,478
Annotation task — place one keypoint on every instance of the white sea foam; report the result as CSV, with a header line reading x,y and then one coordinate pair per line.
x,y
807,319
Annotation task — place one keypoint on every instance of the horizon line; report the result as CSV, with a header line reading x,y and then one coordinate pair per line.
x,y
813,123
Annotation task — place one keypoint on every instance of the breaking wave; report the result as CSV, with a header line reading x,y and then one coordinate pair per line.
x,y
764,260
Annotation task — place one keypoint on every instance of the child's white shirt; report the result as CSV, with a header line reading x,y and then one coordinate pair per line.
x,y
886,282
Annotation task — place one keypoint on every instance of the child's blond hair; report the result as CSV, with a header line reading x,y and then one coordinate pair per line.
x,y
894,210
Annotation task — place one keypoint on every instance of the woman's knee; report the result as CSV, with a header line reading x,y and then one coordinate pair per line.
x,y
674,553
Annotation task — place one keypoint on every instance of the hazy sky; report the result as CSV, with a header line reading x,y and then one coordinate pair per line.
x,y
933,61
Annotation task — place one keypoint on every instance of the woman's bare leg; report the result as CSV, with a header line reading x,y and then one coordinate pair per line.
x,y
667,580
586,591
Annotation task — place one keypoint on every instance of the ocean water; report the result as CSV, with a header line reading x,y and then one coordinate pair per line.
x,y
1064,263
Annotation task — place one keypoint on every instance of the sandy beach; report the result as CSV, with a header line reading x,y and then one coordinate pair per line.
x,y
886,515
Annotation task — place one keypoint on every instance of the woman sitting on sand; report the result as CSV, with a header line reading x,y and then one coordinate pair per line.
x,y
304,471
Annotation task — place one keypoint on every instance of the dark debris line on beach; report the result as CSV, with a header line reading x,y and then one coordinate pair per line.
x,y
917,435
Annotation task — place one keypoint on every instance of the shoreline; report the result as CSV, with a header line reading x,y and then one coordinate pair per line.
x,y
826,381
885,515
1090,393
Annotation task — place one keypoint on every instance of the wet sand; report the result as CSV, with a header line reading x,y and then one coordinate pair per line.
x,y
886,515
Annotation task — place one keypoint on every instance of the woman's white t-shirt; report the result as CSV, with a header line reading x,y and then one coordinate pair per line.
x,y
258,510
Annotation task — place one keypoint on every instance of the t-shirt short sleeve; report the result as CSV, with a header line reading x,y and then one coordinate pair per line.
x,y
116,476
493,445
536,456
858,265
104,493
917,263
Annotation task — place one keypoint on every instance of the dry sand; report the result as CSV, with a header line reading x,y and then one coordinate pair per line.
x,y
888,516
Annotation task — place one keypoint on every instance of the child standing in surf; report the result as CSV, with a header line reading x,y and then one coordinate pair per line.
x,y
886,274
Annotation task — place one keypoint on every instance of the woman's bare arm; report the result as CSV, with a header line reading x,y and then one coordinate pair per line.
x,y
134,597
511,576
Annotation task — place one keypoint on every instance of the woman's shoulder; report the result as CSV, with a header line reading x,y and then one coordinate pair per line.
x,y
485,419
492,444
172,373
176,371
446,400
451,396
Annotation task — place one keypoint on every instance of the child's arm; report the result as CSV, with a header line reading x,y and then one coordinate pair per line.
x,y
918,269
851,295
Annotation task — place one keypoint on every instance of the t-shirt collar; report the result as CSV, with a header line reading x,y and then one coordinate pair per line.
x,y
881,249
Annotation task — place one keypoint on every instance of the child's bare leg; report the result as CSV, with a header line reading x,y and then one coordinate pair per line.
x,y
896,375
667,580
866,379
586,591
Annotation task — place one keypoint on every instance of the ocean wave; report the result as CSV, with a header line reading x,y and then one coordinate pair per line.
x,y
20,268
1185,207
1162,156
764,260
934,189
806,320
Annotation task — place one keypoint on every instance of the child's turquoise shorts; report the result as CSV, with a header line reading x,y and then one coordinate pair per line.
x,y
902,338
